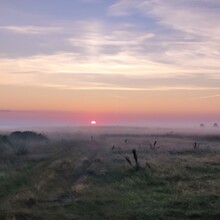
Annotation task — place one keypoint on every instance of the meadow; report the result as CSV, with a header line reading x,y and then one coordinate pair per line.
x,y
110,173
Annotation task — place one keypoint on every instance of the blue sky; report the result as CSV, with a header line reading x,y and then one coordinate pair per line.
x,y
114,46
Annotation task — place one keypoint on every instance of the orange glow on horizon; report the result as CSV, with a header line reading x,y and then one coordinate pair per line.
x,y
119,104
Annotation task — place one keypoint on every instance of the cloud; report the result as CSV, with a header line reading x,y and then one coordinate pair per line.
x,y
68,71
5,110
104,46
123,8
181,50
71,63
111,43
189,31
31,29
208,96
199,18
120,57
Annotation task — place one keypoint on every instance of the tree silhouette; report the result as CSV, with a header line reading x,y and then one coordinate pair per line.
x,y
202,125
215,125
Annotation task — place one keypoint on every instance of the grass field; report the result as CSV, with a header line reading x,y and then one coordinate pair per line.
x,y
88,176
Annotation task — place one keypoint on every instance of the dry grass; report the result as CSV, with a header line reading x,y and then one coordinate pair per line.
x,y
87,179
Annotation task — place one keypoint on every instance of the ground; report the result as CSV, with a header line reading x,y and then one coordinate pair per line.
x,y
79,177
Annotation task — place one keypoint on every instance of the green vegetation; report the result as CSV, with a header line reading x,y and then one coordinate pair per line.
x,y
87,179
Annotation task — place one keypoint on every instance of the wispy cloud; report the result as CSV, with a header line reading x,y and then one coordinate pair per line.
x,y
5,110
180,52
208,97
199,18
67,71
39,30
194,31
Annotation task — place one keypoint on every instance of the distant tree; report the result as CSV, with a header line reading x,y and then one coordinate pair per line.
x,y
202,125
215,125
27,136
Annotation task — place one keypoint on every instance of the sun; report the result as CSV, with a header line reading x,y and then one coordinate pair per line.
x,y
93,122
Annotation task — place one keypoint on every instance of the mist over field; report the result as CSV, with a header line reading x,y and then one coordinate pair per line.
x,y
109,173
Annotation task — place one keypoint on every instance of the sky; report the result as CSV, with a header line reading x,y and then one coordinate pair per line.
x,y
136,62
